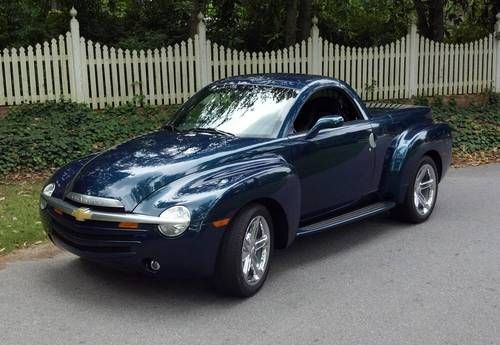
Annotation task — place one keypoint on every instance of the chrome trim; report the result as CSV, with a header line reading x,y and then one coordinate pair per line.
x,y
89,214
94,200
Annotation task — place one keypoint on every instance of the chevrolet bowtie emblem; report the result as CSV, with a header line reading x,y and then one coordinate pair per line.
x,y
81,214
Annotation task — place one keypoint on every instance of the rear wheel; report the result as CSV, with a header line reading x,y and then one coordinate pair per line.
x,y
246,252
422,193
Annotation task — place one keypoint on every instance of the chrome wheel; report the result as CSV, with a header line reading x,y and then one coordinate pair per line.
x,y
424,189
255,250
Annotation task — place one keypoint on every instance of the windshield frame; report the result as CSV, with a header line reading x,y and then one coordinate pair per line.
x,y
198,96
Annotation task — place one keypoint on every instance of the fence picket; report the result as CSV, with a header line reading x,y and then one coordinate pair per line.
x,y
32,78
55,69
15,76
177,66
254,63
454,52
3,100
24,75
171,82
297,58
222,62
235,63
114,75
64,67
40,73
190,63
164,75
84,74
122,84
149,78
185,92
129,77
248,63
93,94
100,78
107,77
229,63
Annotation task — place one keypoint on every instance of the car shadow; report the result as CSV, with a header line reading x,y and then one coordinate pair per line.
x,y
79,281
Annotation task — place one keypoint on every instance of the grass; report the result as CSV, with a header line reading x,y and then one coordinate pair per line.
x,y
20,224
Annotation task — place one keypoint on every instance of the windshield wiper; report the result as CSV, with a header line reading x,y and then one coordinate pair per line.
x,y
212,130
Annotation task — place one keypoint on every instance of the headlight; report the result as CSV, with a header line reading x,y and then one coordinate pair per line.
x,y
49,189
178,218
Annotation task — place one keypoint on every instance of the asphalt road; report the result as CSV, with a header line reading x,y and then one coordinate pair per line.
x,y
378,282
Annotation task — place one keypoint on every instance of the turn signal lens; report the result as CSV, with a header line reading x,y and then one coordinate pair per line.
x,y
220,223
128,225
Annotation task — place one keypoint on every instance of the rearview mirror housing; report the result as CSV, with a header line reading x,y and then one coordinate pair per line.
x,y
330,121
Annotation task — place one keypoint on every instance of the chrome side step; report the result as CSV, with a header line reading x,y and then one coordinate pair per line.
x,y
346,218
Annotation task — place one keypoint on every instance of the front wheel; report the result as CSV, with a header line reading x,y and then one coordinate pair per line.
x,y
422,193
246,252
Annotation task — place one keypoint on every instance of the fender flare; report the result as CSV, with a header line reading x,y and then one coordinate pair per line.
x,y
406,151
275,185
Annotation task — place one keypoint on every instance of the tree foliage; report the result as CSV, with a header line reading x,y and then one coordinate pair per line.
x,y
250,25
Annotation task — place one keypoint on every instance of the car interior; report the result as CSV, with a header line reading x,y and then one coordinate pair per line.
x,y
326,102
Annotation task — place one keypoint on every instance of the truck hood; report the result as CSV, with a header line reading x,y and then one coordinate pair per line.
x,y
133,170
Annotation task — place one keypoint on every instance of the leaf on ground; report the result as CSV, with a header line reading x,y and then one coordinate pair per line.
x,y
37,243
2,250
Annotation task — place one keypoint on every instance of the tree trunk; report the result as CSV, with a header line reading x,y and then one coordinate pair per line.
x,y
291,23
305,19
193,19
436,19
430,18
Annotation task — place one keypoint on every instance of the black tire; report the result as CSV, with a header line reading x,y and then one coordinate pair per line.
x,y
408,211
229,278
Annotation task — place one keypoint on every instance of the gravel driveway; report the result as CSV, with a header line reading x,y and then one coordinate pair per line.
x,y
377,282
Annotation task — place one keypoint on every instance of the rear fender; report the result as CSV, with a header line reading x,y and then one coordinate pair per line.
x,y
405,153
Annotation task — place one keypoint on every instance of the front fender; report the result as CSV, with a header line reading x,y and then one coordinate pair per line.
x,y
221,192
63,176
405,153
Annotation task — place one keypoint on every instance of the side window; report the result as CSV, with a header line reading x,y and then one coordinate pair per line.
x,y
325,102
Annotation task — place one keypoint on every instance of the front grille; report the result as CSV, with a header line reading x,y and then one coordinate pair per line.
x,y
96,236
96,208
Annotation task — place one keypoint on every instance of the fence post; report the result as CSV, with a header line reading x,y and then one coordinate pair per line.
x,y
201,51
412,61
77,94
497,54
316,48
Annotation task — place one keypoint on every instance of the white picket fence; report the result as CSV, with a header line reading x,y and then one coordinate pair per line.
x,y
78,69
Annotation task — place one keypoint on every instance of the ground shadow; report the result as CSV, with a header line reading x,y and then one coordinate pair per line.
x,y
78,281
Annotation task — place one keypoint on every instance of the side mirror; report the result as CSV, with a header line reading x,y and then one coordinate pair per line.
x,y
331,121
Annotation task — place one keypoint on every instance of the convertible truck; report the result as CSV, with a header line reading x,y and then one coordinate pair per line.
x,y
246,165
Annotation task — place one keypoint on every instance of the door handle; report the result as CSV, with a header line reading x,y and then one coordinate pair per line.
x,y
371,141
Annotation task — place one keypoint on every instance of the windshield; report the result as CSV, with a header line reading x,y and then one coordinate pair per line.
x,y
241,110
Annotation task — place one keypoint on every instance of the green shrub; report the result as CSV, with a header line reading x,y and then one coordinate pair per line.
x,y
475,128
421,100
41,136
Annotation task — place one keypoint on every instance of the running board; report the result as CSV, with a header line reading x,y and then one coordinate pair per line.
x,y
346,218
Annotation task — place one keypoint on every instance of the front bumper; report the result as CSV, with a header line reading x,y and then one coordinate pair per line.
x,y
96,236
